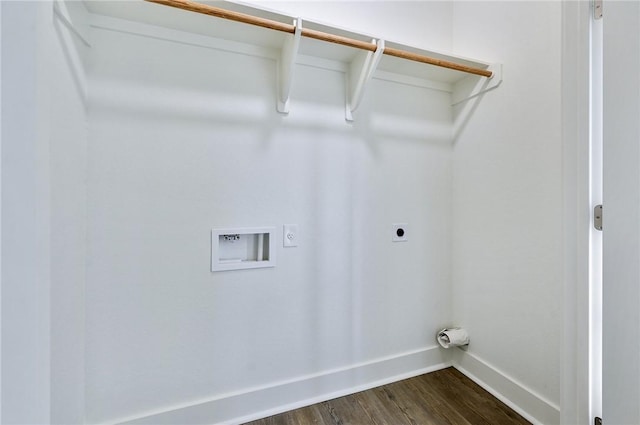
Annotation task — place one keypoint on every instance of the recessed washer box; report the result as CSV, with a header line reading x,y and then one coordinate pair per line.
x,y
239,248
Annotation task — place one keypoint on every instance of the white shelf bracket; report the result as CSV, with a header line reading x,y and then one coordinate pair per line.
x,y
473,86
61,10
286,64
360,72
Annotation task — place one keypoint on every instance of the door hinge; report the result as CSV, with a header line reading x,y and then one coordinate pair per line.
x,y
597,9
597,217
597,421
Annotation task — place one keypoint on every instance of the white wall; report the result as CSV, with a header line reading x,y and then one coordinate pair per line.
x,y
507,202
184,139
423,24
66,69
25,284
179,144
43,218
575,397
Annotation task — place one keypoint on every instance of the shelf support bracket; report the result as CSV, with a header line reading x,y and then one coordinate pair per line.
x,y
473,86
61,10
286,64
360,72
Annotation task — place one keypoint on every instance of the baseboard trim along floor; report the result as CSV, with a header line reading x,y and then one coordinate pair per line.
x,y
298,392
278,397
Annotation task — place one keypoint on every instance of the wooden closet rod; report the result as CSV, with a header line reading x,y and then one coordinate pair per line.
x,y
318,35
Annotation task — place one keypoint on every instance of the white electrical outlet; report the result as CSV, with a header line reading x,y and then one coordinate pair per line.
x,y
400,232
290,235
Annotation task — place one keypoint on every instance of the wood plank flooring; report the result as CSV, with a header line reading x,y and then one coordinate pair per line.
x,y
438,398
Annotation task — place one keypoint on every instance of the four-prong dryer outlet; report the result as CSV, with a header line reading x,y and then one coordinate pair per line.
x,y
400,232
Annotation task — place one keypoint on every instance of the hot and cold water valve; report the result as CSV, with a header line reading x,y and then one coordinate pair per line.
x,y
248,247
242,248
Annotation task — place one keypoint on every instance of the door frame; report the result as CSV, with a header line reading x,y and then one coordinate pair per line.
x,y
575,391
0,211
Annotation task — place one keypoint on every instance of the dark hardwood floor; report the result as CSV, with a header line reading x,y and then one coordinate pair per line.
x,y
438,398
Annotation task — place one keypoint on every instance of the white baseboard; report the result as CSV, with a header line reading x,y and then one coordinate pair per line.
x,y
280,397
517,396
